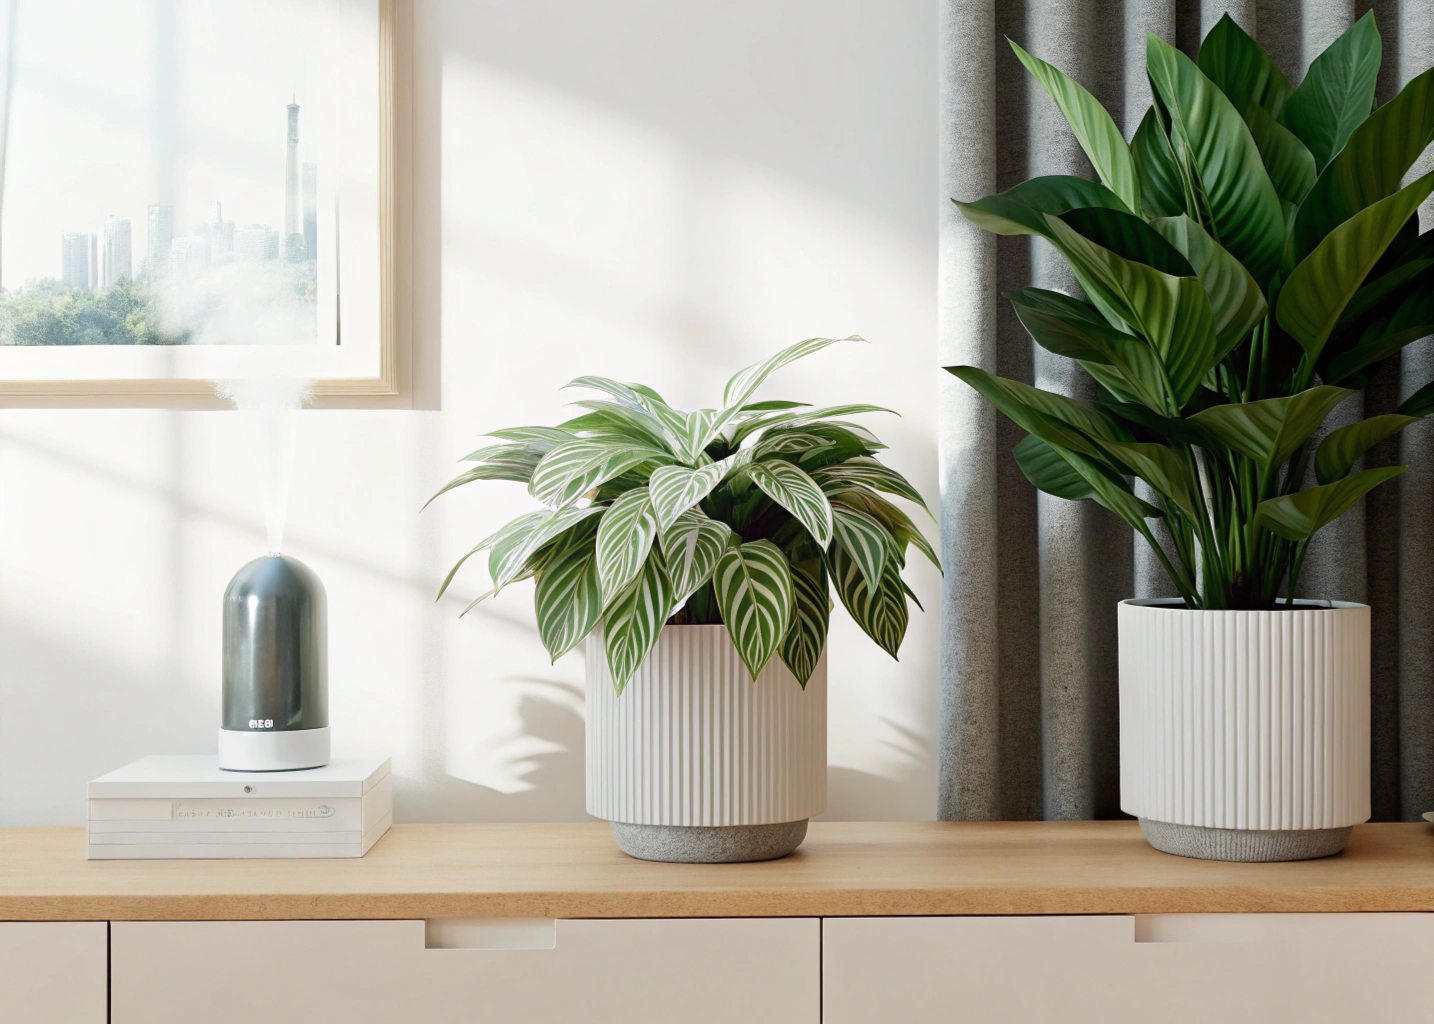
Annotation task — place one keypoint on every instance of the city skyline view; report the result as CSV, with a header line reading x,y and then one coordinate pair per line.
x,y
179,204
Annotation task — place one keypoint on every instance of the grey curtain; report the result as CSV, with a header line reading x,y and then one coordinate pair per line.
x,y
1029,725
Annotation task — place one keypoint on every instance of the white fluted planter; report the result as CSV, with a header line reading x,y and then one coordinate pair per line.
x,y
697,762
1244,735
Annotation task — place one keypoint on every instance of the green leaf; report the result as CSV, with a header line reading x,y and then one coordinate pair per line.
x,y
1052,417
516,527
1093,127
510,554
624,539
1385,335
1073,328
1381,288
633,619
1288,163
1241,69
1319,289
697,432
744,382
807,635
1021,210
1161,194
1110,491
544,437
1162,469
1300,515
675,489
864,499
613,420
573,468
1172,313
791,487
1209,136
1269,430
1337,92
568,602
882,614
691,546
1048,471
517,467
1236,302
1339,451
1130,238
1421,403
754,590
865,539
866,470
1371,165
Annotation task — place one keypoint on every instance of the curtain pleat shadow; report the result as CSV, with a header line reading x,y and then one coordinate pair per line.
x,y
1029,719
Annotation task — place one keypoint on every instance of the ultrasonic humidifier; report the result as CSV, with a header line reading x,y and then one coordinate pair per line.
x,y
276,673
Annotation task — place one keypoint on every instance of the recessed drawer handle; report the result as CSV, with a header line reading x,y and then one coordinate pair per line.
x,y
490,933
1218,929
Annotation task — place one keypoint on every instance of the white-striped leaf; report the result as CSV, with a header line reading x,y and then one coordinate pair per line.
x,y
866,470
532,435
864,499
802,646
633,619
517,466
882,614
798,417
510,555
754,591
798,493
865,539
624,539
697,433
514,528
572,469
569,596
675,489
691,547
614,420
744,382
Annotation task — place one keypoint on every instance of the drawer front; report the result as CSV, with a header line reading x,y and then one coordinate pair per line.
x,y
53,972
1177,969
624,972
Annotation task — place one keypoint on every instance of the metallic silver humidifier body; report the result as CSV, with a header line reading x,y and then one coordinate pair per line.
x,y
276,672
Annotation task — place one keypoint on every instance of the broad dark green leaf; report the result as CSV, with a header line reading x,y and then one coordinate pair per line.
x,y
1319,289
1386,334
1129,237
1287,161
1161,468
1342,448
1054,418
1021,210
1048,471
1209,136
1172,313
1160,192
1111,491
1371,165
801,648
1242,71
1337,93
1269,430
1236,302
1381,288
1300,515
1421,403
1093,127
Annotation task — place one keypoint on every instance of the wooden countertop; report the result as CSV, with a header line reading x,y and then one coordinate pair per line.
x,y
843,869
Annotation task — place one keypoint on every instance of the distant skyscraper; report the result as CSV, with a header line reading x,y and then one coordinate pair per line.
x,y
94,265
161,234
75,259
218,234
311,211
293,233
117,252
255,242
187,256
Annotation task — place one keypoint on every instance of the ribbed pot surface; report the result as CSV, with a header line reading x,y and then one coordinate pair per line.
x,y
1245,719
693,740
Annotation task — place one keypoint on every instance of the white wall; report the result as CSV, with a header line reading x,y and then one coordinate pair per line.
x,y
645,189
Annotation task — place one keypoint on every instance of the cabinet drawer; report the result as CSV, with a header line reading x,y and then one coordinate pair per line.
x,y
629,971
53,972
1175,968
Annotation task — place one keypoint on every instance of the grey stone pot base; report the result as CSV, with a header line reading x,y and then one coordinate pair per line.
x,y
1245,845
704,844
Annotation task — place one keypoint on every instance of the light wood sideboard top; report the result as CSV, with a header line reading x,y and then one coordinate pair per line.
x,y
843,869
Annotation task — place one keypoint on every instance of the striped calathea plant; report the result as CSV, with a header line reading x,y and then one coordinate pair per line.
x,y
742,515
1248,261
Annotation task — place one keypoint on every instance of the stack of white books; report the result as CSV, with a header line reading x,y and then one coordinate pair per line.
x,y
187,807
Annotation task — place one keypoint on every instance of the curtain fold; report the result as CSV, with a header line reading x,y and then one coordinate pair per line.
x,y
1029,720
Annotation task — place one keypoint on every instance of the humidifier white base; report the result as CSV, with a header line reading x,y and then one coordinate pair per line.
x,y
281,751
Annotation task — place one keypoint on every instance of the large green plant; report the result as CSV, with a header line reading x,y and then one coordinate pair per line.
x,y
1248,261
739,515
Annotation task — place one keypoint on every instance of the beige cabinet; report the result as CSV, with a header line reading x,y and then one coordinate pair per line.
x,y
1176,969
53,972
625,972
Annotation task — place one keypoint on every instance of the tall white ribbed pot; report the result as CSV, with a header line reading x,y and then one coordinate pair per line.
x,y
1244,735
697,762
